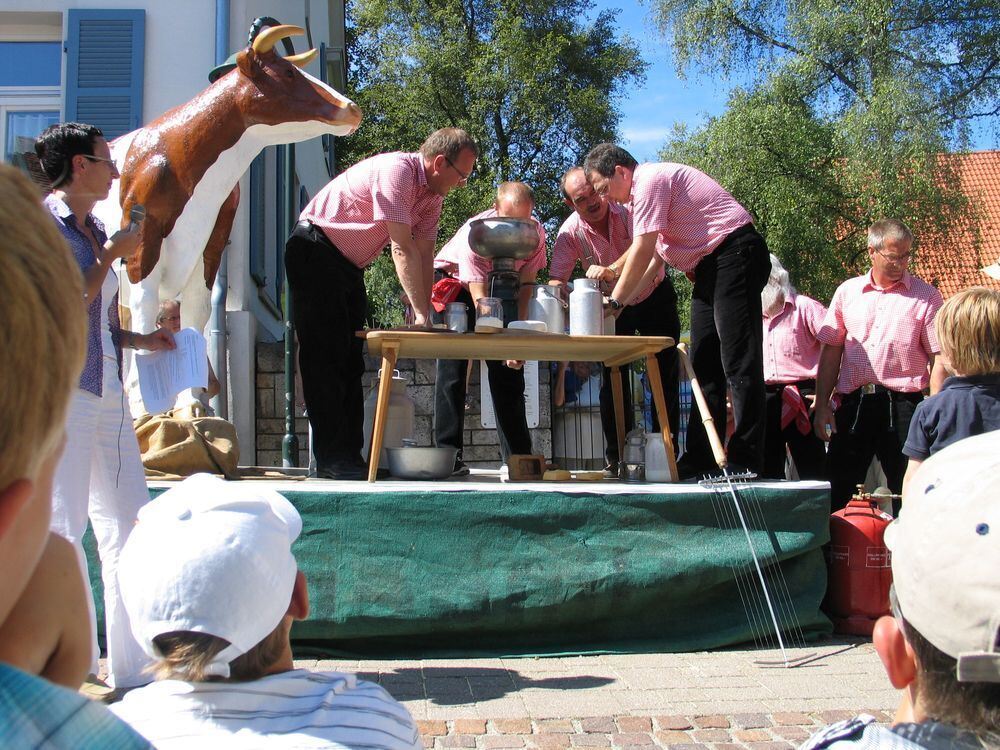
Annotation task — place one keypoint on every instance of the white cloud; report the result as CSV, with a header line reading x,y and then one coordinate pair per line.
x,y
646,135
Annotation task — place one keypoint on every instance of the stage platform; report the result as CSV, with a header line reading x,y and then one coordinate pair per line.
x,y
475,566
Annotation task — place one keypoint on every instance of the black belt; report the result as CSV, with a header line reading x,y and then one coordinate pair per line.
x,y
875,389
809,385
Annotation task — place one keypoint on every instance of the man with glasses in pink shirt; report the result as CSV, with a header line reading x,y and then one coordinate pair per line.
x,y
597,234
697,227
879,354
388,199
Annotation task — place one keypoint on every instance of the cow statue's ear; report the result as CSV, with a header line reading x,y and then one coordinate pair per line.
x,y
246,61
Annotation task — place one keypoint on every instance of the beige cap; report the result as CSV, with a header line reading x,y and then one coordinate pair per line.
x,y
946,554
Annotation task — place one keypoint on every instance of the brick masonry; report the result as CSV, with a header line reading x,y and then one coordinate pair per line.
x,y
482,448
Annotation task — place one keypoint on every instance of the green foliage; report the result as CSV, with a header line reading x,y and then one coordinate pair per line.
x,y
852,106
533,85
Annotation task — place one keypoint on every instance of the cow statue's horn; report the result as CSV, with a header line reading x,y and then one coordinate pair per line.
x,y
266,40
303,58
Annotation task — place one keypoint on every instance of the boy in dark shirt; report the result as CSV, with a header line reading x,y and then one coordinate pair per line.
x,y
968,329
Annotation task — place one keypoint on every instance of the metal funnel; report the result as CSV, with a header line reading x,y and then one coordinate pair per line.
x,y
503,238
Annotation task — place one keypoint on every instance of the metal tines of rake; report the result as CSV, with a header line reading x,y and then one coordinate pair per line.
x,y
768,602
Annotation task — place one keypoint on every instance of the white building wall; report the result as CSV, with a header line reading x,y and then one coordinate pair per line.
x,y
179,53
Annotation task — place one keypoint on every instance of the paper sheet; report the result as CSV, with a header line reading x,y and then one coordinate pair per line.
x,y
164,374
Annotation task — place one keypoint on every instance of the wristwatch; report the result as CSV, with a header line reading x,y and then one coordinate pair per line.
x,y
614,304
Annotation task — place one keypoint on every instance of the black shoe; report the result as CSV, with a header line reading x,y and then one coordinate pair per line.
x,y
344,470
611,470
460,470
687,469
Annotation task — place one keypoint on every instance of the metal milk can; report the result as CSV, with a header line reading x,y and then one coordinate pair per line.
x,y
547,307
400,421
586,309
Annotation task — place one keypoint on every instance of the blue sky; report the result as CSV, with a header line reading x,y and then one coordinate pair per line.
x,y
649,111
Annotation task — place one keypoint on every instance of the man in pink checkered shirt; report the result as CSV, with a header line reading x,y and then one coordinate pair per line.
x,y
596,235
687,218
791,355
458,260
879,354
389,199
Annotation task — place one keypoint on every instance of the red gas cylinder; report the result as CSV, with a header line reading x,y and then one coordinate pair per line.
x,y
859,566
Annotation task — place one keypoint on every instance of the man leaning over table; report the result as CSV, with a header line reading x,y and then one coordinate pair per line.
x,y
597,234
458,260
692,223
389,199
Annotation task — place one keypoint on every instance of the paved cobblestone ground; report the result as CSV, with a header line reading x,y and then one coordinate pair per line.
x,y
719,700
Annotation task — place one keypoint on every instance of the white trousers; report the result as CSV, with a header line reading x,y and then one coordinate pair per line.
x,y
101,476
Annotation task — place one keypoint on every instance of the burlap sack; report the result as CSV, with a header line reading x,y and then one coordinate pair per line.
x,y
174,446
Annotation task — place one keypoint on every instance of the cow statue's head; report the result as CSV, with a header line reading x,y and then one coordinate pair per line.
x,y
282,95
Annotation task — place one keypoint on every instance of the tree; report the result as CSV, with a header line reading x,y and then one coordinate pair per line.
x,y
533,85
851,108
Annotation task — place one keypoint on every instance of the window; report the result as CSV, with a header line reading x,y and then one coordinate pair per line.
x,y
29,95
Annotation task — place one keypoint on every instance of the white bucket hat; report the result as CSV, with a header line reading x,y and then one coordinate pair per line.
x,y
214,557
946,555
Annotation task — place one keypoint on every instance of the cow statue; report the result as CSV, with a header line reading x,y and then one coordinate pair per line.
x,y
184,169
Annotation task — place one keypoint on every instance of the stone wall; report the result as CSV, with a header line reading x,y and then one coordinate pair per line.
x,y
482,448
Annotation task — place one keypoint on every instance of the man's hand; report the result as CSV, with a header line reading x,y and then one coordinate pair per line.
x,y
601,273
514,364
824,425
158,340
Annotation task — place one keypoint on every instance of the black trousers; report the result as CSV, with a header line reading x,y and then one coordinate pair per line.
x,y
329,305
506,388
726,349
867,426
807,450
654,316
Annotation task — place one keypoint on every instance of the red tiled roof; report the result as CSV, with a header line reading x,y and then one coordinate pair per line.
x,y
954,264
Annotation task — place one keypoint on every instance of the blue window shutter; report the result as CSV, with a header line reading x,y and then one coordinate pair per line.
x,y
104,69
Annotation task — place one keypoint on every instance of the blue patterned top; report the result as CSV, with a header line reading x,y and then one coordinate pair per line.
x,y
35,713
92,377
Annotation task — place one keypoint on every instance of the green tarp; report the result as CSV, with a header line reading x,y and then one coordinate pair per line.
x,y
513,571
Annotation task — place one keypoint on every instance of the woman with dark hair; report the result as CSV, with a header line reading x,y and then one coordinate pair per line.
x,y
100,474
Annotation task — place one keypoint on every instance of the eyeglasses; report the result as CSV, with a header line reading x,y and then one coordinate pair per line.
x,y
895,258
88,157
465,177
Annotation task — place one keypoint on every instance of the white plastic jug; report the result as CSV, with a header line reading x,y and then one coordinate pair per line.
x,y
586,309
547,306
657,469
399,423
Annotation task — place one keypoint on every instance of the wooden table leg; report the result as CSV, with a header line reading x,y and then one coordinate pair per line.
x,y
389,351
619,400
656,386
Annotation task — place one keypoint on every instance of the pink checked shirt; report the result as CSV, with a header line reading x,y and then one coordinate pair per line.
x,y
353,208
887,334
690,210
578,241
458,254
791,349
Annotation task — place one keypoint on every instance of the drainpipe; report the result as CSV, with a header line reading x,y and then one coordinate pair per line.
x,y
217,318
290,442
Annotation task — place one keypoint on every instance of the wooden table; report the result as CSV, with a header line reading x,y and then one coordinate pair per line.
x,y
612,351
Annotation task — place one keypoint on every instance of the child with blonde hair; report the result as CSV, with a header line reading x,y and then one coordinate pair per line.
x,y
968,329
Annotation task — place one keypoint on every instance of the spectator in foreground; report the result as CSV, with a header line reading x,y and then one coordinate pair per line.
x,y
42,346
968,330
941,645
216,619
